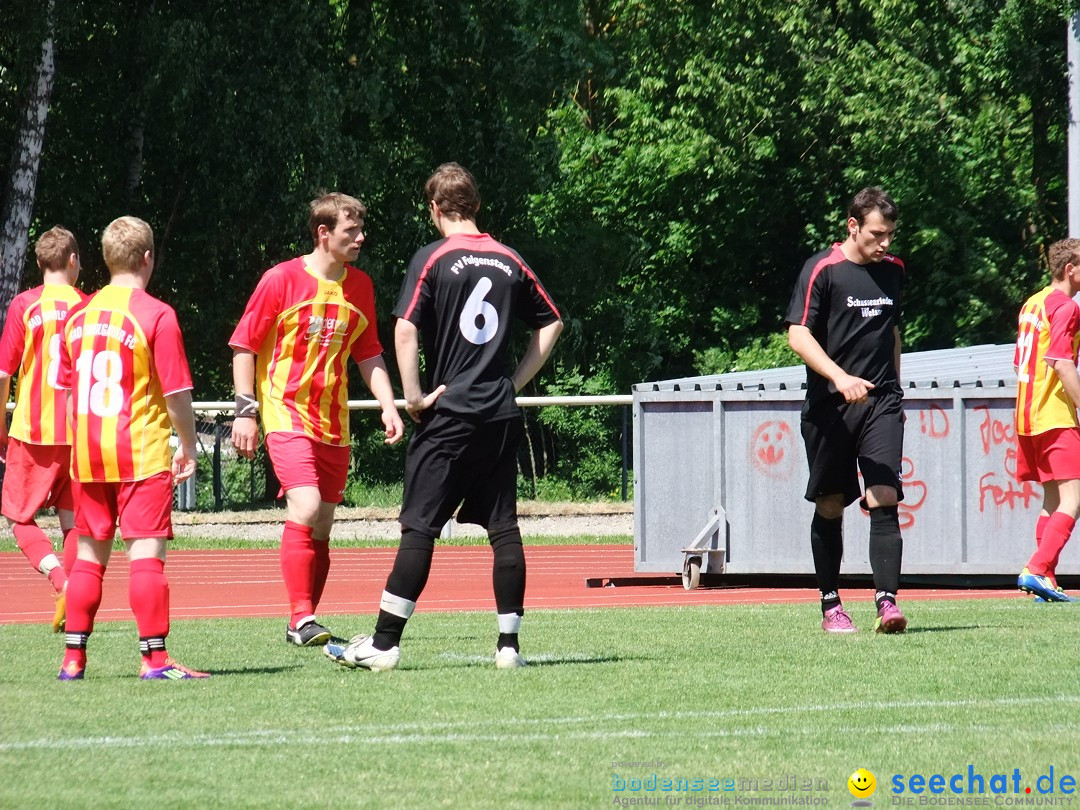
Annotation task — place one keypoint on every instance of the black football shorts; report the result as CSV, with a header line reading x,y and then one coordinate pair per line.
x,y
451,462
844,439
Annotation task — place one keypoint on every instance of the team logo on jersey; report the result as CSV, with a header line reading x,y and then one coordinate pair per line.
x,y
46,316
326,330
870,306
479,261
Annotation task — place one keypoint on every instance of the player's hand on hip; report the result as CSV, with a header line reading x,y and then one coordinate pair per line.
x,y
393,426
414,406
853,389
245,436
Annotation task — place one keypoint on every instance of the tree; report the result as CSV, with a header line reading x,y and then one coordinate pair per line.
x,y
21,188
666,167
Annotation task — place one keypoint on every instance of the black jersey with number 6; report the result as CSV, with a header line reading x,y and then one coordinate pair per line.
x,y
462,292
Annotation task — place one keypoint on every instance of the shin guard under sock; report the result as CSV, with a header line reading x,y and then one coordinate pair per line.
x,y
406,582
886,551
322,571
1059,527
827,545
38,550
148,594
71,549
508,571
508,583
298,570
83,596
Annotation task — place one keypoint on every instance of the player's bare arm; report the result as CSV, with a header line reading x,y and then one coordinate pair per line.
x,y
377,379
804,344
540,346
183,422
897,352
245,432
407,349
1070,378
5,389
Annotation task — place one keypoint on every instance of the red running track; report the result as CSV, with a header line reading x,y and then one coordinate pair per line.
x,y
247,582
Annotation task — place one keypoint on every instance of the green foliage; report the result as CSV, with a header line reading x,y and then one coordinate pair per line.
x,y
665,167
771,351
242,482
584,457
364,492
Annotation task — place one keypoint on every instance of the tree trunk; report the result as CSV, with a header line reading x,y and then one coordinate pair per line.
x,y
22,182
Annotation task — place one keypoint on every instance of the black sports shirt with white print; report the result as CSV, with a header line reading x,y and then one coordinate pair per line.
x,y
851,310
462,293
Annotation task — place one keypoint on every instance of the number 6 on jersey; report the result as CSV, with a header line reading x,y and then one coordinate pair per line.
x,y
476,308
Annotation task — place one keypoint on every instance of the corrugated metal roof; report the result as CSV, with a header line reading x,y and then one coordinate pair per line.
x,y
988,366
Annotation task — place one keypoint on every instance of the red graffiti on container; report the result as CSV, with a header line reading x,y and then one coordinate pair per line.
x,y
772,448
934,422
1006,492
915,493
999,488
994,432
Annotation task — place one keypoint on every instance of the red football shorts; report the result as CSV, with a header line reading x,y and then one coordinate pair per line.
x,y
1050,456
142,508
300,461
37,477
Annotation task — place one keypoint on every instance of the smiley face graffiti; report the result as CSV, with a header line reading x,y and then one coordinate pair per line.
x,y
772,449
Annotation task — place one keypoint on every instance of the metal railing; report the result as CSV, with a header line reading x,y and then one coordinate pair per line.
x,y
215,451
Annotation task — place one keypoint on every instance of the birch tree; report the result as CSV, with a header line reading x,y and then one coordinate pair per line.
x,y
22,180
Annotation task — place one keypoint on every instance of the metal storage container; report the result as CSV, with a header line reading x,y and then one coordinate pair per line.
x,y
720,471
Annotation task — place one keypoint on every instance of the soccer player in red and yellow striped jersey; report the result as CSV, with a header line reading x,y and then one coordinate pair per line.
x,y
1047,430
37,449
123,361
304,321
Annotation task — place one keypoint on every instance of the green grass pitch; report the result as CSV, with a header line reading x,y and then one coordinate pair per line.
x,y
752,694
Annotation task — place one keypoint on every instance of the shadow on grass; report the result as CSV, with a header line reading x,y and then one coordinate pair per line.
x,y
551,661
946,629
456,661
254,670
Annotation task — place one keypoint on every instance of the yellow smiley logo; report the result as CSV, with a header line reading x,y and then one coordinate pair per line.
x,y
861,784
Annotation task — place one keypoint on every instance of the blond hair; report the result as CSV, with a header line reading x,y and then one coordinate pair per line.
x,y
124,243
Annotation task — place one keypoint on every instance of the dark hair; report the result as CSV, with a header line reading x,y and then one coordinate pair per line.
x,y
453,189
1066,251
870,198
54,247
326,208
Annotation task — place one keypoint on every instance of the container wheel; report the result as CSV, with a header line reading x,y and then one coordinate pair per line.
x,y
691,573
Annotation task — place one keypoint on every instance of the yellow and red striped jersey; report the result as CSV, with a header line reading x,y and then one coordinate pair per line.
x,y
30,350
303,329
1048,330
123,354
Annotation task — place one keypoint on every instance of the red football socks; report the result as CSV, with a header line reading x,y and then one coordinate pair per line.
x,y
36,546
1055,535
83,595
148,595
322,571
298,557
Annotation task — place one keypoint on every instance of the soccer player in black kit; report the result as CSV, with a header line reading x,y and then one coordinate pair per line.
x,y
843,321
460,295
